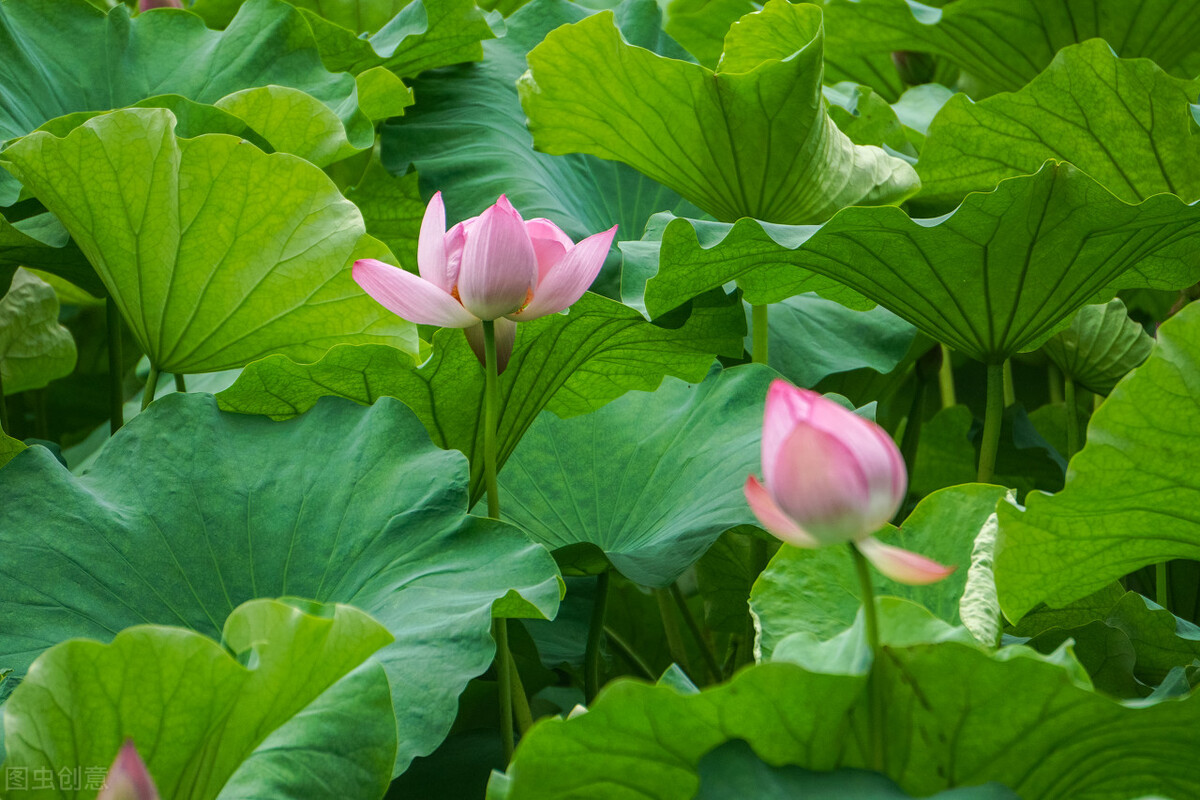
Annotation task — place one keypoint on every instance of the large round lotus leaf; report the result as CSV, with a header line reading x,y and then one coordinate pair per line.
x,y
285,708
752,139
998,275
1003,44
1132,495
216,253
955,715
34,348
189,512
668,484
1101,346
1126,123
569,363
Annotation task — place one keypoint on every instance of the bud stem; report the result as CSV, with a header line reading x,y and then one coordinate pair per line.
x,y
946,379
759,333
591,675
151,387
875,720
491,415
1072,416
116,393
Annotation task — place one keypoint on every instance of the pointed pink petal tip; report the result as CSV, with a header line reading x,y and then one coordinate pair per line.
x,y
773,518
409,296
567,280
903,566
128,778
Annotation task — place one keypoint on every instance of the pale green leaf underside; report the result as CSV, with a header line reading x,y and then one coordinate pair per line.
x,y
196,713
571,364
1132,495
34,348
817,591
1124,122
216,253
1100,347
670,480
752,139
955,716
995,277
345,504
1003,44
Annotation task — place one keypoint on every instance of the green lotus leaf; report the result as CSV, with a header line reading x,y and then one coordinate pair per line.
x,y
956,715
263,70
1102,345
9,447
681,453
214,722
752,139
1126,123
203,242
700,26
1132,495
999,275
817,591
1001,45
812,338
733,770
34,348
392,209
467,137
242,507
41,240
571,364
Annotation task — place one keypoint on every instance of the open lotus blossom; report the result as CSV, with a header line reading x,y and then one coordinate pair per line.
x,y
496,266
830,476
128,778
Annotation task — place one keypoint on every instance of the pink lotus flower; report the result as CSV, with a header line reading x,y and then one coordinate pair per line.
x,y
830,477
496,266
128,778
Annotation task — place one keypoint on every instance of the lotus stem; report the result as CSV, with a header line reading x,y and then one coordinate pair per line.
x,y
521,710
946,379
1054,380
993,416
1162,586
671,629
627,652
151,387
116,392
759,333
1072,416
491,415
41,421
702,643
875,720
591,657
180,386
1010,394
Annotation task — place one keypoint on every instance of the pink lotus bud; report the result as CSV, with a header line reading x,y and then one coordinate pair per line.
x,y
128,778
491,267
830,476
146,5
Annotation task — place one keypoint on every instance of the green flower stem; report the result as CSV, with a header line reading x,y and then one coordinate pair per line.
x,y
626,651
1162,586
993,415
875,721
41,421
759,333
1054,379
504,686
946,379
491,416
666,610
702,643
911,436
1010,394
151,387
116,389
521,710
591,657
1072,416
3,408
180,386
